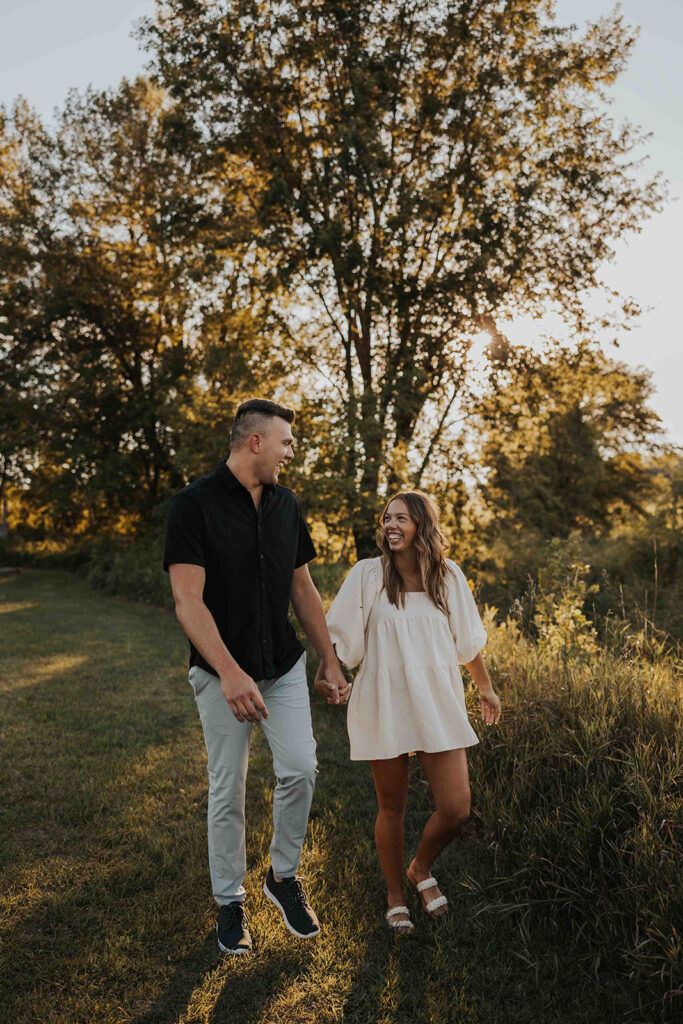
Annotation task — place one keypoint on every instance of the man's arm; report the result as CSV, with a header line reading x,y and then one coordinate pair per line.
x,y
239,689
308,608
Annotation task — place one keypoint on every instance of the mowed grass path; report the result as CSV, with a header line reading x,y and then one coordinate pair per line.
x,y
107,913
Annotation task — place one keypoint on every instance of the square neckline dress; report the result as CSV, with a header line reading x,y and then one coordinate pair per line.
x,y
409,694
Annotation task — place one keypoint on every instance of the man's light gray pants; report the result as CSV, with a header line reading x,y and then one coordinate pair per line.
x,y
290,737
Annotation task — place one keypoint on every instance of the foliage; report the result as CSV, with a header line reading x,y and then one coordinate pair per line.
x,y
638,566
416,172
633,586
26,183
560,621
133,570
126,297
560,438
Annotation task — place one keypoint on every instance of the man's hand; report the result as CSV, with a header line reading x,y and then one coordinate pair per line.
x,y
329,679
243,696
331,683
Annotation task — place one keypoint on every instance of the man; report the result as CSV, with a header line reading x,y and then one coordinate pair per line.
x,y
237,549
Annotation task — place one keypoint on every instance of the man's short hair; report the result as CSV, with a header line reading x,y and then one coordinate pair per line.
x,y
252,418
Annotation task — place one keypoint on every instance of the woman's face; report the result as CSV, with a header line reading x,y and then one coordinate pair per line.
x,y
399,528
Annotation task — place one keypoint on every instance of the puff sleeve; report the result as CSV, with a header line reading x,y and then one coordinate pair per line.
x,y
348,614
466,625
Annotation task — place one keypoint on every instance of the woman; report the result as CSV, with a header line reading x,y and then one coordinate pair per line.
x,y
409,616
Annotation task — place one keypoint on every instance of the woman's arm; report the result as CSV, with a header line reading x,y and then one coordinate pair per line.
x,y
490,701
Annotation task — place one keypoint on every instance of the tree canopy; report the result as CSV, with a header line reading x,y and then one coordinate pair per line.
x,y
562,433
416,171
323,202
114,302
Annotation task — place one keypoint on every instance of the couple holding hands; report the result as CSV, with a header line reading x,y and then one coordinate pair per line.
x,y
237,551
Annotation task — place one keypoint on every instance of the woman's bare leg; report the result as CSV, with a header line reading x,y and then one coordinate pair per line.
x,y
450,784
391,784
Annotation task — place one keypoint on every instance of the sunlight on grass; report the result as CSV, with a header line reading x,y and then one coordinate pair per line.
x,y
569,860
19,606
41,671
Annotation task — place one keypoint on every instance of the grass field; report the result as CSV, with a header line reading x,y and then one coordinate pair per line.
x,y
564,886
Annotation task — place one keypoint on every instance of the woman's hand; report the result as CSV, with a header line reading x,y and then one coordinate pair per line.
x,y
331,684
490,705
490,701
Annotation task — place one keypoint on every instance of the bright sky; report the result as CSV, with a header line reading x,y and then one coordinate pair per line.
x,y
46,47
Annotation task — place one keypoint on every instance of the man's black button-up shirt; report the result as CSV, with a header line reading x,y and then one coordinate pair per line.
x,y
249,557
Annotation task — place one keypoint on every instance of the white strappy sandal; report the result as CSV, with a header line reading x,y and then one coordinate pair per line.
x,y
400,926
435,904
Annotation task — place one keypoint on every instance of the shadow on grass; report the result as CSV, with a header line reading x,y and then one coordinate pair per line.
x,y
247,985
247,994
188,976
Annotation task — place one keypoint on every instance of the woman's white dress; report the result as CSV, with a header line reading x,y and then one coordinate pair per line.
x,y
408,694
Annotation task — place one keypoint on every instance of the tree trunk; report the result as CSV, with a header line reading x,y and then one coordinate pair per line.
x,y
367,504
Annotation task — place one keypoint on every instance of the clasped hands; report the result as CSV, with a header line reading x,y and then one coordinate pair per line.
x,y
331,683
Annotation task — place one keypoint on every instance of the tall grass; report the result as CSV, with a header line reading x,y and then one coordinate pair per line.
x,y
579,797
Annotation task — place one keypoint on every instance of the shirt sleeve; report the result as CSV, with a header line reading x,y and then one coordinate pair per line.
x,y
346,618
184,533
305,550
466,625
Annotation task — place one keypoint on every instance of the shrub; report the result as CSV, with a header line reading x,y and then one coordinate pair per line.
x,y
133,570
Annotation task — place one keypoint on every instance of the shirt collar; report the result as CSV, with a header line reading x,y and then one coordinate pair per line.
x,y
230,481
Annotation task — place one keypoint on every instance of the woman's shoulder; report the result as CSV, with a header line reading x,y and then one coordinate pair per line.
x,y
361,581
456,572
369,570
364,564
363,569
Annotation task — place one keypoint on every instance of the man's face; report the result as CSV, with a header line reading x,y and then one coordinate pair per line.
x,y
277,449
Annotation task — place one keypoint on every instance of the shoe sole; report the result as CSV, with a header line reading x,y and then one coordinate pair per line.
x,y
299,935
237,951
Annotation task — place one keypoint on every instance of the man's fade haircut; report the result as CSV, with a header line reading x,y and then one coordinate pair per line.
x,y
253,416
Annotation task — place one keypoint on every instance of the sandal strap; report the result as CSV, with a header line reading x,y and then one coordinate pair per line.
x,y
428,883
440,901
396,910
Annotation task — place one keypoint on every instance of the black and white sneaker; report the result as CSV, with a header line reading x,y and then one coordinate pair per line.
x,y
231,928
290,897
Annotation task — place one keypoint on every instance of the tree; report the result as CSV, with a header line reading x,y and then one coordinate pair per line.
x,y
418,170
26,180
128,295
562,436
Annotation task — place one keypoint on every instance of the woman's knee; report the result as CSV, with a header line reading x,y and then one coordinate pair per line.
x,y
393,808
457,811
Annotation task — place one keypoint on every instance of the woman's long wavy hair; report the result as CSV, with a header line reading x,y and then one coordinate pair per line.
x,y
430,547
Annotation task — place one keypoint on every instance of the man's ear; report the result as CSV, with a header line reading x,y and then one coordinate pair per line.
x,y
255,442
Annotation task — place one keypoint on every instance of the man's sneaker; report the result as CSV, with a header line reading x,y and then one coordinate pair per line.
x,y
231,928
290,897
